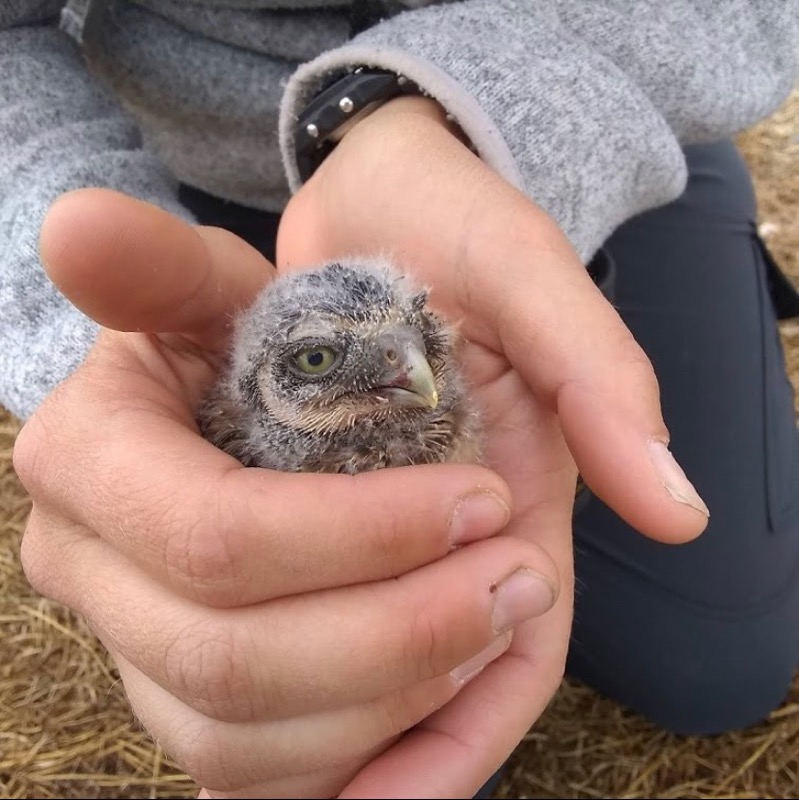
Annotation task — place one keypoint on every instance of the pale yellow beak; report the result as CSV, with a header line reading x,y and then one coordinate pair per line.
x,y
407,379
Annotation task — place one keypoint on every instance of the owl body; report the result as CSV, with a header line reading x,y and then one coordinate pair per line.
x,y
343,369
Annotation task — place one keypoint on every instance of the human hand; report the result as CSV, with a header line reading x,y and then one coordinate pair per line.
x,y
558,375
273,631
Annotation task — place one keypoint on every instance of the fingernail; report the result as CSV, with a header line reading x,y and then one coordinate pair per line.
x,y
476,516
520,596
674,479
469,669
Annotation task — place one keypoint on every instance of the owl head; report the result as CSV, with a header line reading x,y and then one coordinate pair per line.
x,y
339,368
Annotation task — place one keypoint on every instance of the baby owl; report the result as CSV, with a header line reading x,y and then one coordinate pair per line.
x,y
342,368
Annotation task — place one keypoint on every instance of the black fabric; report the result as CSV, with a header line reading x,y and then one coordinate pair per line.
x,y
366,13
703,637
487,790
93,21
259,228
602,270
783,292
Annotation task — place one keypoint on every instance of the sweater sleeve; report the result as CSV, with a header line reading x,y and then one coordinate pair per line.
x,y
58,131
583,106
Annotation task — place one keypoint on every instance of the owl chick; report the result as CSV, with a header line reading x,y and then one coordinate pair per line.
x,y
344,369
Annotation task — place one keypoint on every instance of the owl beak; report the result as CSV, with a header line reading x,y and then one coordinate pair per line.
x,y
407,379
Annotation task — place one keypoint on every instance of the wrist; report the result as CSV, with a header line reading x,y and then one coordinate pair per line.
x,y
407,109
402,133
347,103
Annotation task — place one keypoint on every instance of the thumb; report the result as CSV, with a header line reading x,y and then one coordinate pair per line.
x,y
571,345
131,266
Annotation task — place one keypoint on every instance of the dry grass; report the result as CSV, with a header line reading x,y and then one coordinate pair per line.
x,y
66,731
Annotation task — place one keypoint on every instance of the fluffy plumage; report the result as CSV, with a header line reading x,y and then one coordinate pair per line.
x,y
342,368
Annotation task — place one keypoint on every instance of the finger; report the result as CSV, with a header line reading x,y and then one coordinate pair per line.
x,y
234,536
539,307
606,395
133,267
447,754
311,653
314,784
228,756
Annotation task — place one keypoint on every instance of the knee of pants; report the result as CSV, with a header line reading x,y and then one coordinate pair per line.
x,y
687,667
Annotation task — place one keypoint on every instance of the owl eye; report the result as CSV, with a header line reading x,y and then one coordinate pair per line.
x,y
315,360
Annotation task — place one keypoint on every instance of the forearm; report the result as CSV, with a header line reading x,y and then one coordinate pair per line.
x,y
58,131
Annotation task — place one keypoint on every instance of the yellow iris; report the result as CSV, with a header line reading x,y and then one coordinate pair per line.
x,y
315,360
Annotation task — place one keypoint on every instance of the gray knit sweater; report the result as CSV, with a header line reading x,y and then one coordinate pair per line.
x,y
583,104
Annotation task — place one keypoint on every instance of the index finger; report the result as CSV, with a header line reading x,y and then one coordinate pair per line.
x,y
573,349
537,304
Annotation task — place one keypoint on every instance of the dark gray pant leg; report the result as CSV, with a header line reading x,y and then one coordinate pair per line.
x,y
702,637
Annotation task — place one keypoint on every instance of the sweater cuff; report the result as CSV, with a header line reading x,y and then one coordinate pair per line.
x,y
479,128
590,161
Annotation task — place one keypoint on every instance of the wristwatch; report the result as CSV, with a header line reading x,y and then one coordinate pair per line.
x,y
350,98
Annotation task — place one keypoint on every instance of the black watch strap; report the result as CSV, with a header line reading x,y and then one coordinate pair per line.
x,y
324,120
